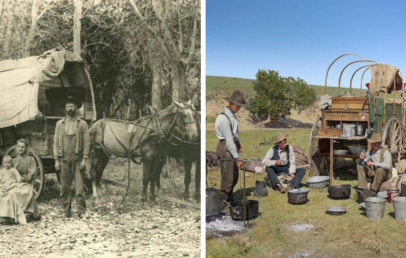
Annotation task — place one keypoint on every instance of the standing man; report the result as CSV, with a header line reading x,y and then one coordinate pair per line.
x,y
376,163
71,149
280,160
229,144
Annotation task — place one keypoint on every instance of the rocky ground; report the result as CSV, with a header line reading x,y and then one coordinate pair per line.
x,y
111,230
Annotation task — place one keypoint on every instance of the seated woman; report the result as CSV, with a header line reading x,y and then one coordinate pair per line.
x,y
27,167
20,199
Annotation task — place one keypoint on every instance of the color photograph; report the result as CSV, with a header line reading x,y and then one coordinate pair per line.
x,y
305,129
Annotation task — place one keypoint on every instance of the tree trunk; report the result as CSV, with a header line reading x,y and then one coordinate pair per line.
x,y
76,27
34,25
9,34
179,82
156,86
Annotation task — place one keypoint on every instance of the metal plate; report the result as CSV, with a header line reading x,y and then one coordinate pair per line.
x,y
336,210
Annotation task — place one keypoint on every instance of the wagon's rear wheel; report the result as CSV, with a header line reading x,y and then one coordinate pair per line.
x,y
39,172
393,137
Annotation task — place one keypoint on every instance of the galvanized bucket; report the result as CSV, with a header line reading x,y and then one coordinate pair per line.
x,y
375,207
399,203
403,189
213,205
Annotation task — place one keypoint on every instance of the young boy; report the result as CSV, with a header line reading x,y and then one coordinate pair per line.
x,y
9,176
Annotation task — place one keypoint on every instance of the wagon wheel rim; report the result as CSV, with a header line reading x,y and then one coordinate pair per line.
x,y
393,137
38,180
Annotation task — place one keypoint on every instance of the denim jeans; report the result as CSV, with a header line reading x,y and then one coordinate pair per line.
x,y
274,171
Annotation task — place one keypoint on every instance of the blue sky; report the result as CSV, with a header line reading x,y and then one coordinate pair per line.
x,y
301,38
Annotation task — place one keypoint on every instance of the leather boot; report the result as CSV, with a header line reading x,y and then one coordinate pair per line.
x,y
281,188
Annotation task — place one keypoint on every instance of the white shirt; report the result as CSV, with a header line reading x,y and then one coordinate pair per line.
x,y
223,130
267,161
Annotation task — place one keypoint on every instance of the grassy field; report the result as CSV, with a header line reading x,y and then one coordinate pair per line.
x,y
218,86
348,235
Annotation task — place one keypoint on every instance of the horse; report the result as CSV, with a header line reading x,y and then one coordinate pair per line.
x,y
145,138
186,149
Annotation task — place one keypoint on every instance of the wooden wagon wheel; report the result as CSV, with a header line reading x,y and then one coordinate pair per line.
x,y
39,172
393,137
319,164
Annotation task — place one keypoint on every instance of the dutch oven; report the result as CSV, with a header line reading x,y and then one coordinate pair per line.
x,y
339,191
362,194
237,209
298,196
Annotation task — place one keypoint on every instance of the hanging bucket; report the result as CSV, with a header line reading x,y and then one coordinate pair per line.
x,y
260,189
375,207
399,204
213,206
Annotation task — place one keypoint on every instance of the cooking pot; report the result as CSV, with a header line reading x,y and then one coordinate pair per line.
x,y
339,191
237,209
362,194
298,196
260,189
359,130
213,203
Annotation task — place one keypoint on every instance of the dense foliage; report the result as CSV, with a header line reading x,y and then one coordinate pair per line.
x,y
277,95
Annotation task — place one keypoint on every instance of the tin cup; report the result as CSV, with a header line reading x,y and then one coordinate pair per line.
x,y
392,193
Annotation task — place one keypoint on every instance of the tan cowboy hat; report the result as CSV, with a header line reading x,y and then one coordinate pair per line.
x,y
375,138
279,137
237,98
70,99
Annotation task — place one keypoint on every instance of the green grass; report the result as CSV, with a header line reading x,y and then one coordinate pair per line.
x,y
218,86
349,235
210,119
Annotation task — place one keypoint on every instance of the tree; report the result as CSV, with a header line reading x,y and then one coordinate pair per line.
x,y
276,95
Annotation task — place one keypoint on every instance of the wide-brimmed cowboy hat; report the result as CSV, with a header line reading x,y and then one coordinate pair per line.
x,y
70,99
279,137
237,98
375,138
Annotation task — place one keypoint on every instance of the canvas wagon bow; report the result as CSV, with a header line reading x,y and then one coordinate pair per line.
x,y
31,89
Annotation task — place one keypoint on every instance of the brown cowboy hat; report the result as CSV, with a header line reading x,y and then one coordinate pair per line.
x,y
375,138
279,137
237,98
70,99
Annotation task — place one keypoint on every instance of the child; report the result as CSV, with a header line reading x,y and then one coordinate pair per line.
x,y
9,176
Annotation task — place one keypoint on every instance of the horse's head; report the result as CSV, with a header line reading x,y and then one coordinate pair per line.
x,y
187,123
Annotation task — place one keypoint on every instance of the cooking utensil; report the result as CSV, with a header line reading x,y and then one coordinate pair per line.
x,y
336,210
339,191
318,181
260,189
213,203
237,209
359,130
298,196
363,194
341,152
356,149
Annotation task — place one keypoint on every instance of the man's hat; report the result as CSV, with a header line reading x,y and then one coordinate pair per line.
x,y
279,137
237,98
70,99
375,138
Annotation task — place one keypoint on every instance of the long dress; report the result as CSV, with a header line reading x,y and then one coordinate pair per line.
x,y
27,167
19,203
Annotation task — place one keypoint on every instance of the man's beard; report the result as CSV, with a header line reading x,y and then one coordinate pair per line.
x,y
71,112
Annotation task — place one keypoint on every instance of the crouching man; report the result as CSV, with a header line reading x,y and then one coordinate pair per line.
x,y
375,163
280,160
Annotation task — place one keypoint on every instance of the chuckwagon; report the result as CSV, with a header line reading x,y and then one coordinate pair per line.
x,y
31,89
347,120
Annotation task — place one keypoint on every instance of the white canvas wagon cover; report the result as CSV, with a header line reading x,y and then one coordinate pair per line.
x,y
19,84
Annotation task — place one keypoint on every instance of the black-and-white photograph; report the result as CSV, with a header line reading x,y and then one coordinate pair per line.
x,y
100,128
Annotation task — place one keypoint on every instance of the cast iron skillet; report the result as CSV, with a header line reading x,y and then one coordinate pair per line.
x,y
339,191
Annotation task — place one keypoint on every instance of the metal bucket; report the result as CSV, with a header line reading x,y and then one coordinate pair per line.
x,y
260,189
375,208
403,189
399,204
213,204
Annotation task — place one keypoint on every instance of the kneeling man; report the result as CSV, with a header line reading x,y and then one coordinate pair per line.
x,y
280,160
376,163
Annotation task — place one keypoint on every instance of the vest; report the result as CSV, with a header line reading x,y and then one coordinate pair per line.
x,y
276,155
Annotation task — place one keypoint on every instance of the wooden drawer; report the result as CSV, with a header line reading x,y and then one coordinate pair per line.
x,y
366,115
354,116
333,116
345,116
329,132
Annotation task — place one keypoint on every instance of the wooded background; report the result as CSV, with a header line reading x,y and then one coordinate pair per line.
x,y
137,52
